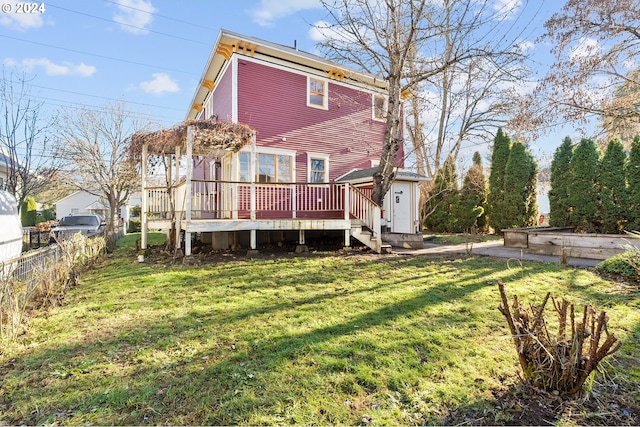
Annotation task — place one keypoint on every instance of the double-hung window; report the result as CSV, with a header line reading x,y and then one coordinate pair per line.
x,y
317,93
379,107
318,168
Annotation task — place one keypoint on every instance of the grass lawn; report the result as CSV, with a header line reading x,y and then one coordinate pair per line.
x,y
325,338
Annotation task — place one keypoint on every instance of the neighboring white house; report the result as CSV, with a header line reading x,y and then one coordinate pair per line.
x,y
85,202
81,202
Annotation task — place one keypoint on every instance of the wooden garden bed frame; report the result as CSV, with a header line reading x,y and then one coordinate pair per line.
x,y
564,242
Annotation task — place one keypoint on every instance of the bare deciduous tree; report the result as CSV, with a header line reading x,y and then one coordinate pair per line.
x,y
470,97
412,43
93,146
596,44
24,139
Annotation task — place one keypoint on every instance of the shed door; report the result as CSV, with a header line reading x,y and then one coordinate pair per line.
x,y
402,209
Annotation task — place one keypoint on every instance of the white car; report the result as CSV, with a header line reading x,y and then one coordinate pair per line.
x,y
86,224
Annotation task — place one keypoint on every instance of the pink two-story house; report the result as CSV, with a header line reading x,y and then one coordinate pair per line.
x,y
318,133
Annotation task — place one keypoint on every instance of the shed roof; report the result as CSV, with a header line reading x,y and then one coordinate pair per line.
x,y
364,175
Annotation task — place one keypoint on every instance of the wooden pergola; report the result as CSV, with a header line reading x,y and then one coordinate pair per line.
x,y
192,137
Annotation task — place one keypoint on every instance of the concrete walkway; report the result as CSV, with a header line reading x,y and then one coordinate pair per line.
x,y
494,249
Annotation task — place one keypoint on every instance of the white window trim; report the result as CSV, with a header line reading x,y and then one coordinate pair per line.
x,y
373,106
265,150
325,157
325,98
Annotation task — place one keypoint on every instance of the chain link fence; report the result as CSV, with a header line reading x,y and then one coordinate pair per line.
x,y
42,277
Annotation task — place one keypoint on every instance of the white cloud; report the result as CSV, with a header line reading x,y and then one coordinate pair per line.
x,y
9,62
270,10
630,64
134,15
53,69
506,9
20,21
525,46
586,47
161,83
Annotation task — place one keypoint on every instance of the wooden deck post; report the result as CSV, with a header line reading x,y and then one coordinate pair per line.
x,y
347,210
252,172
187,192
145,201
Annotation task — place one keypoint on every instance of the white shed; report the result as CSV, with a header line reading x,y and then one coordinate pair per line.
x,y
401,210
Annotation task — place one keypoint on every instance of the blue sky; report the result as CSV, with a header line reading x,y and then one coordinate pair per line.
x,y
148,53
151,53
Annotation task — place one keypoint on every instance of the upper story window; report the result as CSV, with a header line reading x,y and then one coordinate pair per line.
x,y
317,93
318,168
379,107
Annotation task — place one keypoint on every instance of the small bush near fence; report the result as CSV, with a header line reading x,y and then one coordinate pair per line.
x,y
42,278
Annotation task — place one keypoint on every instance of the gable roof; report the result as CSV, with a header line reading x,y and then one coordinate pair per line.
x,y
365,175
229,43
74,195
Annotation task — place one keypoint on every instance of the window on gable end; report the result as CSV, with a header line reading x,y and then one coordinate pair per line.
x,y
379,107
316,93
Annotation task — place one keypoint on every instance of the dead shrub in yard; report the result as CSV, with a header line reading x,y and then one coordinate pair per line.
x,y
564,362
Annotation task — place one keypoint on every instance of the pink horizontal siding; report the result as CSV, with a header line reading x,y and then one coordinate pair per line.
x,y
274,102
223,97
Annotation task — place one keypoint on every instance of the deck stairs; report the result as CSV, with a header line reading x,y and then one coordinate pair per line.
x,y
368,237
365,220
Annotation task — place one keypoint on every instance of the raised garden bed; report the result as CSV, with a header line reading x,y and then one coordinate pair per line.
x,y
559,241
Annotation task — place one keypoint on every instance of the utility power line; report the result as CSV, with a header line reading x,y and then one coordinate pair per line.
x,y
97,55
159,15
127,25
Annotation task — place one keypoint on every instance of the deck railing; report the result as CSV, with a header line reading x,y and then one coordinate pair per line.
x,y
232,200
364,209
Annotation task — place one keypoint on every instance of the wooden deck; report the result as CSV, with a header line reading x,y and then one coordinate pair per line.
x,y
222,206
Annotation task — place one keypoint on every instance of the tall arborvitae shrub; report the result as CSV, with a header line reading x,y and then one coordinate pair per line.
x,y
613,188
633,180
520,188
28,212
582,192
559,180
495,199
442,197
473,197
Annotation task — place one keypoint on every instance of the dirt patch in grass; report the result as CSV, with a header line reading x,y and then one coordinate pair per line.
x,y
608,404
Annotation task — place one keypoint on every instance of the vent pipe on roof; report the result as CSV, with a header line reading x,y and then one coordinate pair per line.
x,y
295,44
